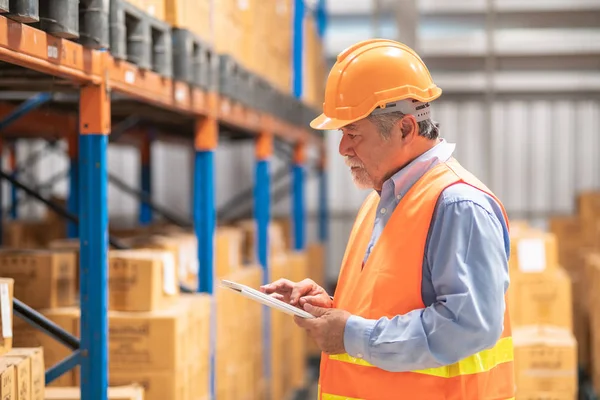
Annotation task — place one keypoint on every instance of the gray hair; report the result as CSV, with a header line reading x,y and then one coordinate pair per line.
x,y
385,122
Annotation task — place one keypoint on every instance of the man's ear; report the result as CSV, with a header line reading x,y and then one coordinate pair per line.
x,y
409,128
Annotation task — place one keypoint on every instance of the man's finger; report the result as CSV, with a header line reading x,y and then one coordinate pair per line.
x,y
300,290
277,296
318,301
305,323
279,286
314,310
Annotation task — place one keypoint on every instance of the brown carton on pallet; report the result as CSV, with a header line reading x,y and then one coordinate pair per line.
x,y
22,376
532,250
129,392
141,280
43,278
6,314
545,360
148,341
8,381
228,250
158,385
54,352
34,357
541,299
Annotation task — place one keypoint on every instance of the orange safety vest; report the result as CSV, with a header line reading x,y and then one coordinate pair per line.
x,y
389,284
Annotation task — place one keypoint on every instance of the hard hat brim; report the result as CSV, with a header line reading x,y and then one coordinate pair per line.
x,y
324,123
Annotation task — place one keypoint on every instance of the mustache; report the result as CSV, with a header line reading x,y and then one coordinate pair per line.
x,y
353,162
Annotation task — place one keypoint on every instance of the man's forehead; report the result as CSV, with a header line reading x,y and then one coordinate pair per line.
x,y
349,127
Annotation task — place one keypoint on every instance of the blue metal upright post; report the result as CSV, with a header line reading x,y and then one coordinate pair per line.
x,y
323,206
298,47
14,200
146,178
321,17
298,211
93,219
206,141
73,196
262,214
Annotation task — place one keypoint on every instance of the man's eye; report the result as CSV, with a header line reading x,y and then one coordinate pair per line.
x,y
351,136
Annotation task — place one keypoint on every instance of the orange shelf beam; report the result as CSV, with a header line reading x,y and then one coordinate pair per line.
x,y
32,48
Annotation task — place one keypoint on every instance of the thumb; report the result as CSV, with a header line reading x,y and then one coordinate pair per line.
x,y
314,310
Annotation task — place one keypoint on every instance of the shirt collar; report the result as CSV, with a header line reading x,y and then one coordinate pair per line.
x,y
404,179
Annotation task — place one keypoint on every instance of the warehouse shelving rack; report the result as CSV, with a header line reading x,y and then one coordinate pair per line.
x,y
96,82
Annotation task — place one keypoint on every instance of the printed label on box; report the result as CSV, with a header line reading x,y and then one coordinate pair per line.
x,y
5,307
531,255
169,280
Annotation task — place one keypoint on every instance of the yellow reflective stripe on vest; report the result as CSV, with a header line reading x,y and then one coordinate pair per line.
x,y
326,396
483,361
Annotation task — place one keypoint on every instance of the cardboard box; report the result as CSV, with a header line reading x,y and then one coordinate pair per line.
x,y
541,299
194,15
228,250
22,376
130,392
148,341
43,278
8,381
54,352
34,357
6,314
545,360
141,280
182,248
157,385
532,251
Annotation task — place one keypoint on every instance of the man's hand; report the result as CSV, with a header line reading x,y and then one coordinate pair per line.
x,y
327,330
298,293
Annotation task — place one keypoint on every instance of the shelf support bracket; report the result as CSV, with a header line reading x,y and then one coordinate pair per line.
x,y
62,367
24,108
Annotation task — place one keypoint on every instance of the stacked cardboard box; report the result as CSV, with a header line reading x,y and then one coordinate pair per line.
x,y
298,267
239,339
130,392
316,272
578,239
282,327
22,374
45,281
539,300
154,339
314,64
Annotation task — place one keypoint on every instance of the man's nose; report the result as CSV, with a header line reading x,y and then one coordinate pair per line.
x,y
346,147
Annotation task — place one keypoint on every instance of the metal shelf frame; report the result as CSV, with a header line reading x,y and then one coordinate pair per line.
x,y
98,77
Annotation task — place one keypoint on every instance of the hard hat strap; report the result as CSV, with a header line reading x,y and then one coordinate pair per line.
x,y
421,111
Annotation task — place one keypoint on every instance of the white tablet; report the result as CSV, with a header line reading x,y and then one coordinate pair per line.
x,y
265,299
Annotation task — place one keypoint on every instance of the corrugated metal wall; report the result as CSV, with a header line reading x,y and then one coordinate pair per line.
x,y
537,155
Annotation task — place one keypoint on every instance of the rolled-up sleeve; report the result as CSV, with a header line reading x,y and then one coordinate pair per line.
x,y
467,257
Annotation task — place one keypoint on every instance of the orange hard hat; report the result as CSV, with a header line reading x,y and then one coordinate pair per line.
x,y
370,74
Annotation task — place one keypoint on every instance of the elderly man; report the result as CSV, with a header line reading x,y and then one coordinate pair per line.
x,y
419,311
